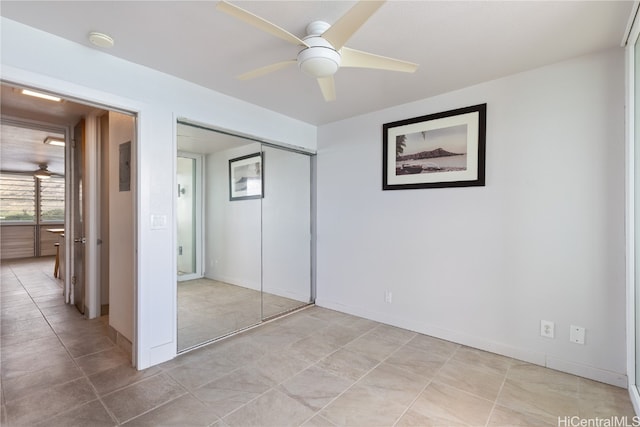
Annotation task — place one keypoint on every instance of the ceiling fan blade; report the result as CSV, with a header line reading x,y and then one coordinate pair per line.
x,y
343,29
258,22
359,59
265,70
328,88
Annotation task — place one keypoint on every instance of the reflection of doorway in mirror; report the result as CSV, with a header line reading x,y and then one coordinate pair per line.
x,y
187,217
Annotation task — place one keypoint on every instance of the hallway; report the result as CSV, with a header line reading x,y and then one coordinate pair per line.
x,y
53,359
316,367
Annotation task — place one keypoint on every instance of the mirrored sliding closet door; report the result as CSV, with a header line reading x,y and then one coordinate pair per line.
x,y
246,215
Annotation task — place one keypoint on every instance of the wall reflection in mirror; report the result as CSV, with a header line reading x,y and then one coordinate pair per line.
x,y
243,233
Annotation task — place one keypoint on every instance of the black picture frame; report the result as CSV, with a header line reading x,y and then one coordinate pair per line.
x,y
438,150
246,177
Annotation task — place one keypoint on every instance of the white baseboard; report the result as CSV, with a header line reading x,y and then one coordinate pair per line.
x,y
285,293
585,371
526,355
256,286
156,355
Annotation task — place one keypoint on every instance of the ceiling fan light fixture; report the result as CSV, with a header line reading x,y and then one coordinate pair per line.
x,y
324,50
319,66
320,59
42,173
52,140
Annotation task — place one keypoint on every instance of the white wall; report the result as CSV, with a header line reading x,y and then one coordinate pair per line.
x,y
286,225
34,58
544,239
261,244
233,235
121,228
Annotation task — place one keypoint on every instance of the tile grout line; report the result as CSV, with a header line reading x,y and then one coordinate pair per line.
x,y
428,384
186,392
363,375
241,367
355,381
495,402
311,364
84,375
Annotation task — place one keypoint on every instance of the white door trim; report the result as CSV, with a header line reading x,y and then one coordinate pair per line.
x,y
631,38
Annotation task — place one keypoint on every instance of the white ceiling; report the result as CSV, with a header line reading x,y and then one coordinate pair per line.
x,y
27,121
196,139
457,44
23,150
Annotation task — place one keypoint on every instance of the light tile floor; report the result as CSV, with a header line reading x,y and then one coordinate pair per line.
x,y
208,309
316,367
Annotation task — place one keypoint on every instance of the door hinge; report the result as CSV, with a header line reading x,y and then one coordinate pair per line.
x,y
73,280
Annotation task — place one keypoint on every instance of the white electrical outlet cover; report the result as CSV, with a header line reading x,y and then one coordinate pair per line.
x,y
547,329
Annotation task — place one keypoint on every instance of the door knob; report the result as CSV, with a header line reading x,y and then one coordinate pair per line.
x,y
80,240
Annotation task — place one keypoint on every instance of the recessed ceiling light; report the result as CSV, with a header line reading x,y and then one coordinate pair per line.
x,y
40,95
52,140
100,39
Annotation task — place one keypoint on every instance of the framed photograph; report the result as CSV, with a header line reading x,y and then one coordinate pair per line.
x,y
439,150
246,177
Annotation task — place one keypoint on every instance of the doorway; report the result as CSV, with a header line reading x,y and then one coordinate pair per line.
x,y
189,216
100,189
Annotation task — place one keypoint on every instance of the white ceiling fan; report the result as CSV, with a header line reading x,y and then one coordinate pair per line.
x,y
323,48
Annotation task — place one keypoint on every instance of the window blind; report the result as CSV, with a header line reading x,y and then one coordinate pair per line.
x,y
17,198
52,200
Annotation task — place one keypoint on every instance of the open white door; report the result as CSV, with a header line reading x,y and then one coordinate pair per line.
x,y
78,218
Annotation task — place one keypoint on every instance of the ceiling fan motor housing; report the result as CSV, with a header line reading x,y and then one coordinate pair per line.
x,y
320,59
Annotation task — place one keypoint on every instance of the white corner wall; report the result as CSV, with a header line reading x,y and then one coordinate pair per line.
x,y
544,239
121,228
34,58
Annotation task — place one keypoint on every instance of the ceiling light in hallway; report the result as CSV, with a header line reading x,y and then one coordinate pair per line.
x,y
40,95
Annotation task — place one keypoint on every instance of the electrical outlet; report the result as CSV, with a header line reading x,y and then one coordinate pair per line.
x,y
547,328
576,334
388,297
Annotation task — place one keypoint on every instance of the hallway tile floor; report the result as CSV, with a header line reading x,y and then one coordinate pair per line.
x,y
315,367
